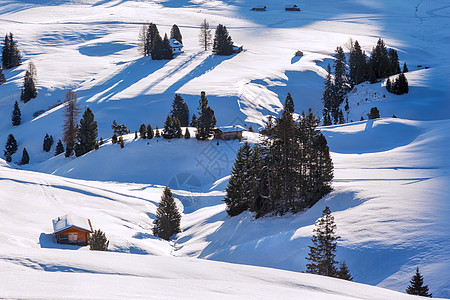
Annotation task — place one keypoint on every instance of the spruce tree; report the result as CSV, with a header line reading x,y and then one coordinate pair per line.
x,y
405,68
150,133
168,218
119,129
380,61
328,98
187,134
143,131
157,133
344,272
180,110
206,120
416,286
16,115
340,87
48,143
10,55
289,103
223,45
194,121
146,38
157,48
322,254
71,112
169,130
205,35
121,142
373,114
239,196
87,133
59,148
358,69
10,147
2,76
25,157
29,87
176,34
98,241
393,56
114,138
166,51
400,85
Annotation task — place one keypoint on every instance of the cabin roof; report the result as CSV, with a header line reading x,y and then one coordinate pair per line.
x,y
67,221
175,43
232,128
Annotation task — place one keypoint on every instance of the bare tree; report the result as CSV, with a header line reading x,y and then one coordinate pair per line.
x,y
205,35
70,126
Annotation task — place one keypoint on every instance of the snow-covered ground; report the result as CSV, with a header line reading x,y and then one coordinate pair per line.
x,y
390,199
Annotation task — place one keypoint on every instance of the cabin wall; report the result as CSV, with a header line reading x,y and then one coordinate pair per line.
x,y
63,236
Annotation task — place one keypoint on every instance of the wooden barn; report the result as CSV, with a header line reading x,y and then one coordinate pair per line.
x,y
292,8
70,229
227,133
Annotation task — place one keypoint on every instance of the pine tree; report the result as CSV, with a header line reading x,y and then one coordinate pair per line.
x,y
239,190
166,52
10,55
405,68
176,34
388,85
358,69
150,133
10,147
393,56
341,86
168,218
48,143
87,133
29,87
322,254
135,135
157,133
180,110
289,103
400,85
344,272
98,241
16,115
187,134
416,286
194,121
172,128
119,129
146,37
328,98
373,114
143,131
121,142
71,112
157,48
205,35
2,76
206,120
114,138
25,157
223,45
59,148
380,61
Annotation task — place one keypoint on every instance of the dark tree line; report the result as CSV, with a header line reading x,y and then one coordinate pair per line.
x,y
288,172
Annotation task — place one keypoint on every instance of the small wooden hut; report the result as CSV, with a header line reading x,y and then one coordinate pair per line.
x,y
70,229
227,133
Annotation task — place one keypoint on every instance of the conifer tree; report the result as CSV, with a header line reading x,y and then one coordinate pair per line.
x,y
114,138
157,133
223,45
416,286
187,134
87,133
29,87
121,142
98,241
388,85
48,143
176,34
157,51
10,147
205,35
2,76
25,157
169,130
143,131
119,129
71,112
135,135
239,190
400,85
393,56
358,68
10,55
340,87
194,121
405,68
373,114
168,218
328,98
380,61
166,52
289,103
344,272
180,110
150,133
206,120
146,37
322,254
59,148
16,115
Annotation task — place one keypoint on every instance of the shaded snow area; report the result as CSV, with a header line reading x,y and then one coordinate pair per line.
x,y
390,198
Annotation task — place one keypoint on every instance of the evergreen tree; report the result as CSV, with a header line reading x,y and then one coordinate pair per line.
x,y
119,129
373,114
16,115
176,34
10,55
135,135
405,68
416,286
157,50
121,142
341,86
143,131
98,241
87,133
157,133
25,157
206,120
29,87
239,190
166,51
70,127
393,56
380,61
59,148
150,133
358,68
322,254
180,110
114,138
344,272
146,37
48,143
10,147
388,85
223,45
328,98
400,85
2,77
187,134
194,121
289,103
168,218
205,35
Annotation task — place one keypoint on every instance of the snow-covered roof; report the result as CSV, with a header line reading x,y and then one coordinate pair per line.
x,y
237,46
67,221
231,128
175,43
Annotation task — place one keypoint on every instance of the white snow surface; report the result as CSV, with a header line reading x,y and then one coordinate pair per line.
x,y
390,196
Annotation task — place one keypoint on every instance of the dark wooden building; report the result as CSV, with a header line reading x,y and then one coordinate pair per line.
x,y
259,8
227,133
70,229
292,8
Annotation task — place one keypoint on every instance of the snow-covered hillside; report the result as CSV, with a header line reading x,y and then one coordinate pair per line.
x,y
389,198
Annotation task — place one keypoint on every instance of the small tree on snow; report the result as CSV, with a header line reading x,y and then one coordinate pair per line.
x,y
98,241
416,286
167,222
16,115
205,35
25,157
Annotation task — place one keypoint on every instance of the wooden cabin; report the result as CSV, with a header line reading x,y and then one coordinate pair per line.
x,y
292,8
259,8
70,229
228,133
175,46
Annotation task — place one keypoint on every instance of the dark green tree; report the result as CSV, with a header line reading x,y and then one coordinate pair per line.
x,y
150,133
405,68
373,114
172,128
416,286
344,272
98,241
48,143
223,45
158,48
388,85
176,34
25,157
380,61
289,103
322,254
180,110
10,147
114,138
157,133
10,55
121,142
146,38
87,133
143,131
59,148
328,98
166,49
168,218
206,120
358,68
2,77
341,85
194,121
400,85
16,115
393,56
119,129
29,87
187,134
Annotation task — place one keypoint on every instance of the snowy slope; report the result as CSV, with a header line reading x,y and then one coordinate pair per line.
x,y
391,174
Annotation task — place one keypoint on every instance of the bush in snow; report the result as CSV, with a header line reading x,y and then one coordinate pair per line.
x,y
374,113
98,241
